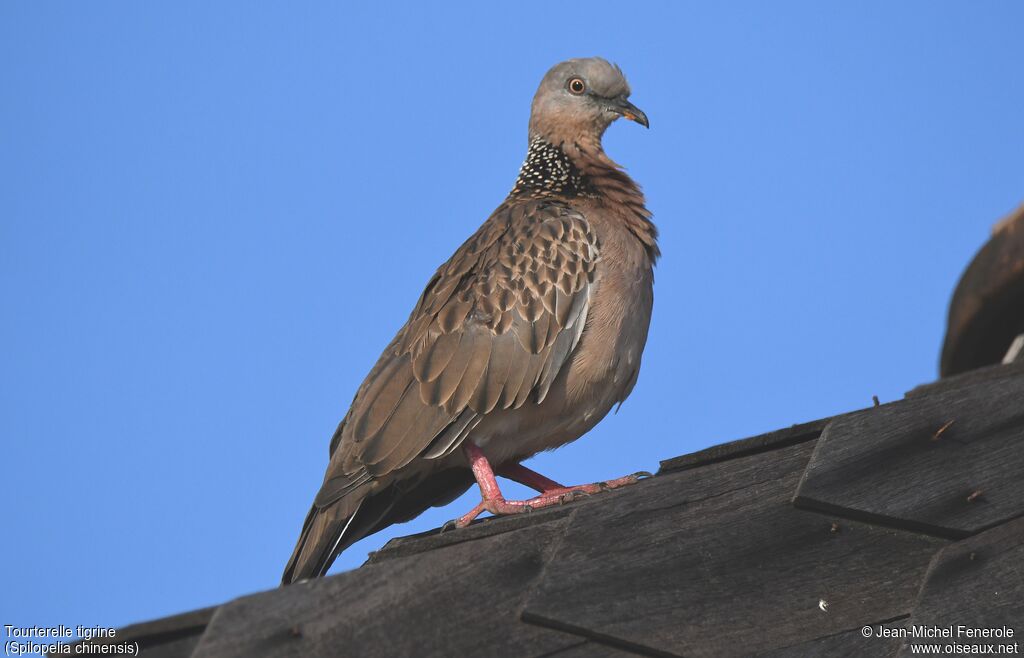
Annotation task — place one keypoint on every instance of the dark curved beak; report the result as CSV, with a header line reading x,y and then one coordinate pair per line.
x,y
624,108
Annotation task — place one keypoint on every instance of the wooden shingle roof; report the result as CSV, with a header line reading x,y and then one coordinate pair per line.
x,y
785,544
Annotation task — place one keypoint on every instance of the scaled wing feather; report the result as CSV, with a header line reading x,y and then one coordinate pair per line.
x,y
496,323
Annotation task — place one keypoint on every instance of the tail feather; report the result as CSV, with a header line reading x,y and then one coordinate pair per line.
x,y
330,529
324,535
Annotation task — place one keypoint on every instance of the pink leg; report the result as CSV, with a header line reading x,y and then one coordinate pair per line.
x,y
551,492
534,480
529,477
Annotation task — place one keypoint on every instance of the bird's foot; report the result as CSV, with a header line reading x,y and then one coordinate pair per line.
x,y
551,492
501,507
558,495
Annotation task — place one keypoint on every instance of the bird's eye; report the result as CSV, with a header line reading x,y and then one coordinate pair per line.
x,y
577,86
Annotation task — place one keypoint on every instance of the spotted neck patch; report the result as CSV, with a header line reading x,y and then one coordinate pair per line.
x,y
548,169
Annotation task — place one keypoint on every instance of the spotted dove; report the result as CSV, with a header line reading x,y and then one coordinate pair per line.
x,y
521,342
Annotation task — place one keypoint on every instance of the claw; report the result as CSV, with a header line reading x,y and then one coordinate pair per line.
x,y
643,475
571,496
449,525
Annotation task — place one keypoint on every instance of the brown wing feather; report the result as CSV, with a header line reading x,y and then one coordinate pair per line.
x,y
496,323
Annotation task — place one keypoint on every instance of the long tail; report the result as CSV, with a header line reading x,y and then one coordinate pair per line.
x,y
331,529
325,533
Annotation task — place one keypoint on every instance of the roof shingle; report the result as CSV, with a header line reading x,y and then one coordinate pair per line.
x,y
709,558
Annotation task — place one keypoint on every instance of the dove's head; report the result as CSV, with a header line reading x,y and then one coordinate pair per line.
x,y
578,99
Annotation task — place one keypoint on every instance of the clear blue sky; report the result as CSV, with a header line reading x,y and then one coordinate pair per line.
x,y
213,216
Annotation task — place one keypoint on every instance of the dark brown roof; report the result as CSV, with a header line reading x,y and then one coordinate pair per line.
x,y
785,544
987,309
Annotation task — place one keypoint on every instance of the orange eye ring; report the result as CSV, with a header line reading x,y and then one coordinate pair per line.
x,y
576,86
